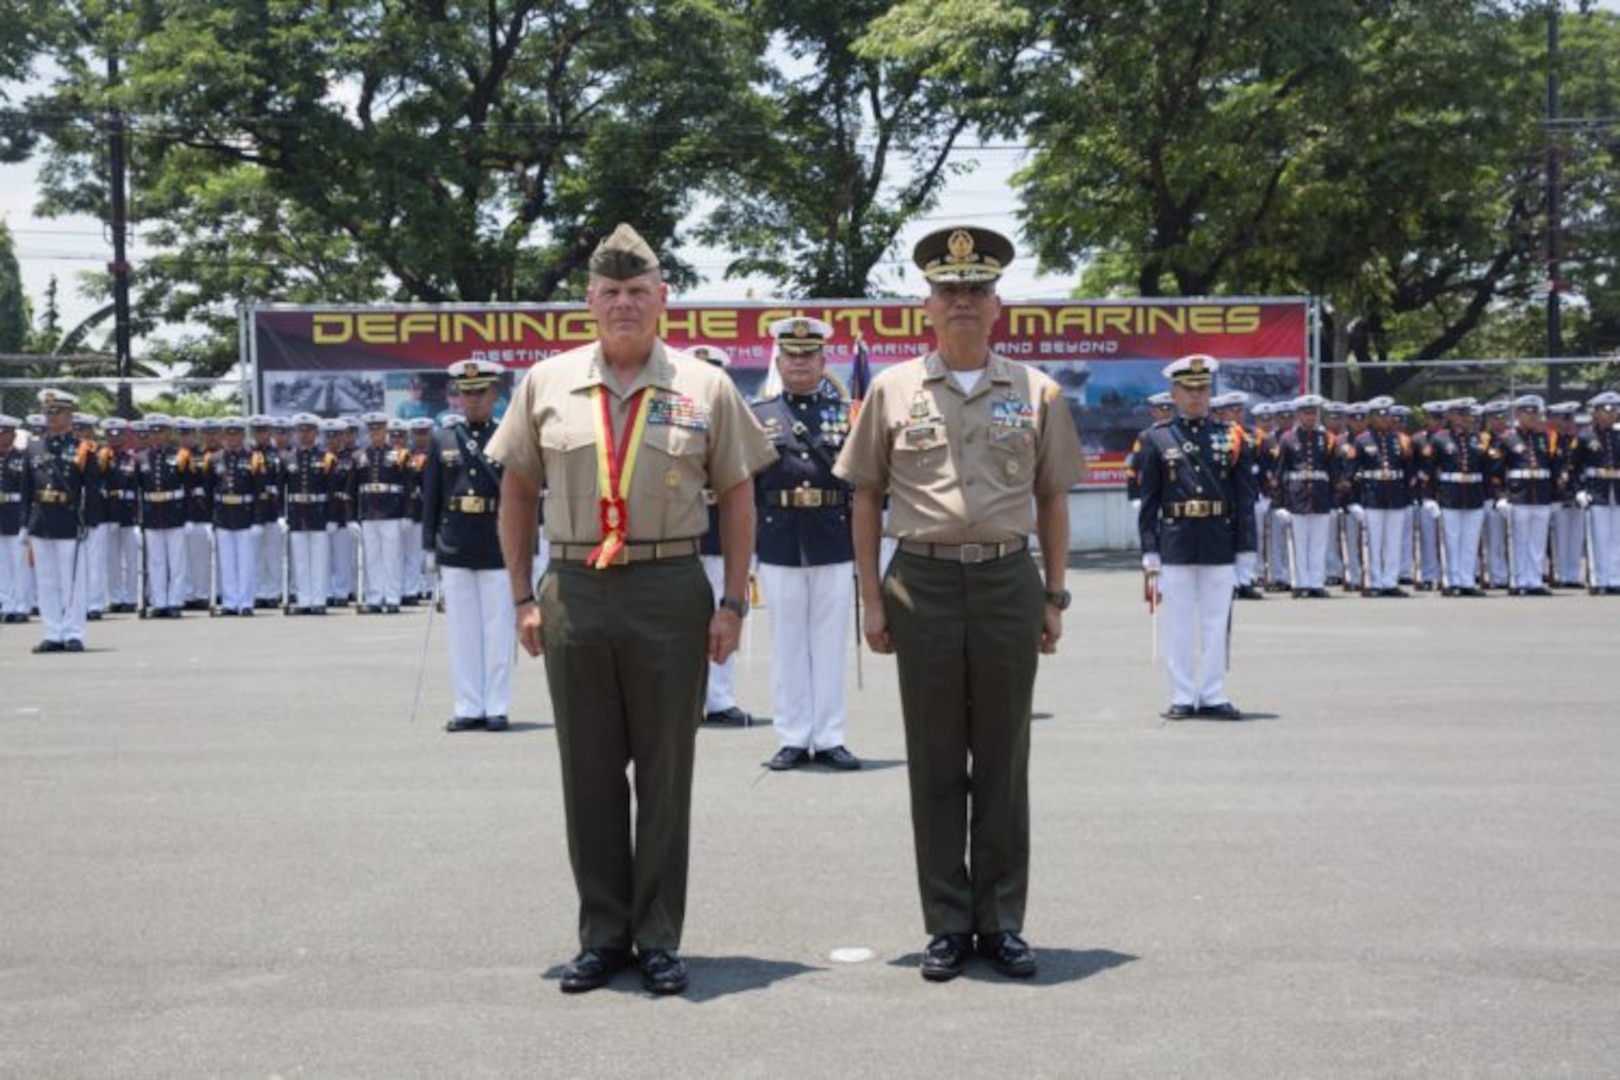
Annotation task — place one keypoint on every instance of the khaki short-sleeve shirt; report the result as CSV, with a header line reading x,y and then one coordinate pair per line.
x,y
959,467
699,434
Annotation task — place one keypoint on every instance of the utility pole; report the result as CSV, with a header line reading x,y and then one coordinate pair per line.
x,y
119,267
1555,329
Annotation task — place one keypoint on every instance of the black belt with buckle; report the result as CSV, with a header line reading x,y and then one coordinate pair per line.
x,y
1195,508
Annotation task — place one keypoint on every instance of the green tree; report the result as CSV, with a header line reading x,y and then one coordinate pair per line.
x,y
15,314
436,150
857,145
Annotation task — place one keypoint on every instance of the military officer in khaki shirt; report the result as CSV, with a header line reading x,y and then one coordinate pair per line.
x,y
975,452
623,436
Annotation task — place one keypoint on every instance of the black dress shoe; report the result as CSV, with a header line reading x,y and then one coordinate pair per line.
x,y
1180,712
1539,590
1248,592
1397,593
1470,592
390,609
50,647
1010,954
93,616
368,609
496,723
789,757
946,956
662,972
74,645
838,758
732,715
464,723
1319,594
1224,711
592,968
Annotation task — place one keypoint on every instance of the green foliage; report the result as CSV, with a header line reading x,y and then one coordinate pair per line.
x,y
15,314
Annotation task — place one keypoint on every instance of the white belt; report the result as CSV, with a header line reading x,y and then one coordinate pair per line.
x,y
10,497
1305,474
164,496
1460,477
1529,474
382,489
1601,474
1381,474
306,498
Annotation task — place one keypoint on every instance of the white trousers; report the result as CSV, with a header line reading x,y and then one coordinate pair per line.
x,y
1247,568
311,561
61,587
1352,548
412,559
1496,549
1530,525
238,566
1428,546
123,563
483,640
1408,545
1280,570
1312,533
341,561
1605,553
199,549
95,567
1568,541
13,567
1384,531
1196,611
1335,558
1460,529
385,560
166,567
722,693
272,541
810,609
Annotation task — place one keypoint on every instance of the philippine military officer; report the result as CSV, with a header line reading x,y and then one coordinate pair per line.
x,y
271,543
720,698
624,435
13,522
416,578
338,435
806,561
1197,518
164,474
62,493
121,500
381,475
1228,409
461,496
1495,423
234,475
1306,471
1595,470
1532,468
1382,471
97,530
1456,468
975,452
197,531
308,473
1567,534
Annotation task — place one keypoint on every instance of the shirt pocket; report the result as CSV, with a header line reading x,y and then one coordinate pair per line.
x,y
680,456
1012,453
568,455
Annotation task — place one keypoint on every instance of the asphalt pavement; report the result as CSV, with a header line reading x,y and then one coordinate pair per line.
x,y
229,850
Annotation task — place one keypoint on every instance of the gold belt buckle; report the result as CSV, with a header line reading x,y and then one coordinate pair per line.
x,y
806,498
971,553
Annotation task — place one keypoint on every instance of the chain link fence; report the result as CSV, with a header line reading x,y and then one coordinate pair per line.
x,y
1564,379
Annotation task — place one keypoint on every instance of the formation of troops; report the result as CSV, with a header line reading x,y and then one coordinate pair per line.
x,y
1455,497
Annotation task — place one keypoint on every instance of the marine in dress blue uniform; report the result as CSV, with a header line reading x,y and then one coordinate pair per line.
x,y
1568,530
308,474
1381,469
1532,476
164,475
234,476
1456,473
461,488
382,479
1595,474
13,523
62,492
1306,469
1197,517
805,552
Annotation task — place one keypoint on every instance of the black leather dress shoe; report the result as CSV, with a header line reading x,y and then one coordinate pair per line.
x,y
1010,954
93,616
1539,590
1224,711
838,757
464,723
496,723
732,715
946,956
1397,593
662,972
1180,712
1248,592
50,647
593,968
789,757
75,645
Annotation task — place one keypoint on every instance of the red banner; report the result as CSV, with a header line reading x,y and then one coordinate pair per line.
x,y
1106,354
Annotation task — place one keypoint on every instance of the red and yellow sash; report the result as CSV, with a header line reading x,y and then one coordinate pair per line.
x,y
614,469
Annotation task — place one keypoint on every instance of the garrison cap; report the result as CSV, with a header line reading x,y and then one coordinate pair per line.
x,y
474,374
1606,400
52,399
1529,403
800,335
1197,370
623,255
710,354
962,253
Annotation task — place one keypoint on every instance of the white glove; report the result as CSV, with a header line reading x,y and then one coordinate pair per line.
x,y
1431,509
1503,507
1150,562
1583,499
1136,506
430,561
1284,517
255,531
1358,512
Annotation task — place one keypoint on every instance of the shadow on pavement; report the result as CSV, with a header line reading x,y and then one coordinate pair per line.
x,y
1056,966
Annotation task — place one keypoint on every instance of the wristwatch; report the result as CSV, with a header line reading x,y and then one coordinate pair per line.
x,y
1059,598
738,607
